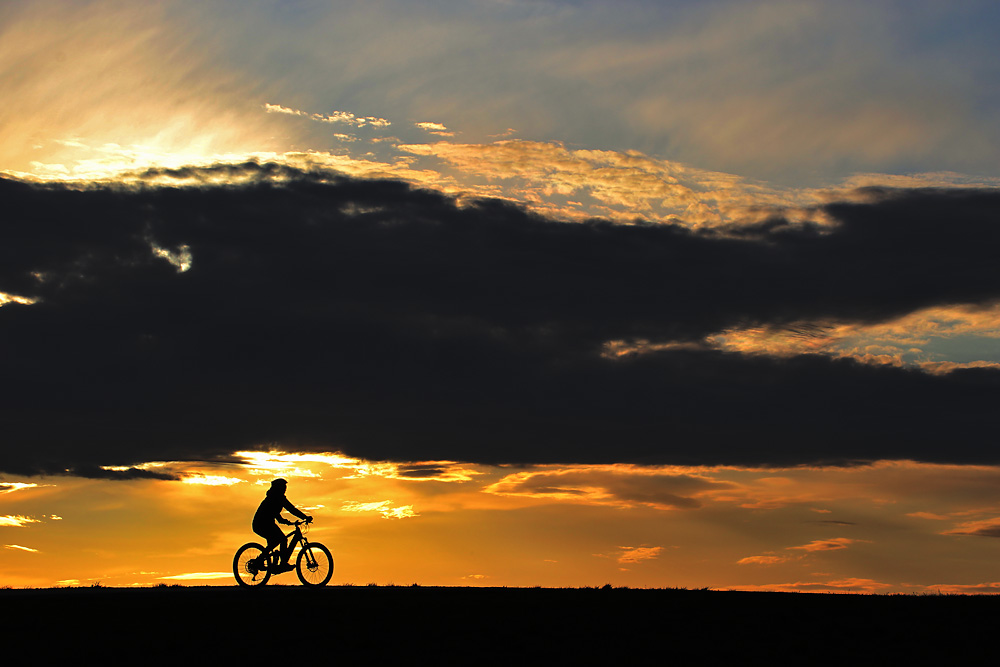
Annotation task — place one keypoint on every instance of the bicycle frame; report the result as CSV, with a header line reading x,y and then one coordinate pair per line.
x,y
298,539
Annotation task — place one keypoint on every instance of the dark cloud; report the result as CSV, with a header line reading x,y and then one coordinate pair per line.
x,y
831,522
322,312
120,474
421,471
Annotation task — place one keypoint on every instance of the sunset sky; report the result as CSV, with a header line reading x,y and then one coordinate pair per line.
x,y
512,292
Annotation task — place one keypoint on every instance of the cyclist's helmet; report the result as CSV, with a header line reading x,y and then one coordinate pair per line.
x,y
279,484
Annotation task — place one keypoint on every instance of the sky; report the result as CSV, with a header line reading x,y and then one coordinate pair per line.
x,y
655,294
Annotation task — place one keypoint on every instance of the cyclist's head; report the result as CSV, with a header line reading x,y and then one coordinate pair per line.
x,y
279,484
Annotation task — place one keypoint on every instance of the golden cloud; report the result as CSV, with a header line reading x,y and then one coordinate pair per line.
x,y
618,485
834,544
763,560
900,342
15,521
638,554
620,185
384,507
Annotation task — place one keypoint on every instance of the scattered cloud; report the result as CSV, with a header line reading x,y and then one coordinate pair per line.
x,y
18,547
638,554
16,521
384,507
834,544
13,298
345,117
763,560
276,463
435,128
11,487
180,258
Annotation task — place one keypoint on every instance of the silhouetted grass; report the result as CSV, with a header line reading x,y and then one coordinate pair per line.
x,y
393,624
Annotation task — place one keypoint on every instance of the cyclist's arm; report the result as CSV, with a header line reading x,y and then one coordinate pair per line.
x,y
291,508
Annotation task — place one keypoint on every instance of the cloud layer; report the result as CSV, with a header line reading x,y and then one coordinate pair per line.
x,y
322,312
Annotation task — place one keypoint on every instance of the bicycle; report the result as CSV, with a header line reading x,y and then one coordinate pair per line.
x,y
254,564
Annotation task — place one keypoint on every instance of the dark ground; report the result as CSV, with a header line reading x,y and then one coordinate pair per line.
x,y
367,625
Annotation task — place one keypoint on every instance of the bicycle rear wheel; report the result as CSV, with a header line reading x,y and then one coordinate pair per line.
x,y
248,566
314,565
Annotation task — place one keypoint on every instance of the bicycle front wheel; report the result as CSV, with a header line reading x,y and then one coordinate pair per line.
x,y
248,566
314,565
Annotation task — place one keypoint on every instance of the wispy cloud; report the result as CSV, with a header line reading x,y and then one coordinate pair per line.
x,y
435,128
661,488
621,185
911,340
277,463
11,487
988,588
345,117
212,480
981,528
16,521
834,544
769,559
13,298
384,507
638,554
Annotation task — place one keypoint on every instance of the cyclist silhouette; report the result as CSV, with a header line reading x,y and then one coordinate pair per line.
x,y
269,512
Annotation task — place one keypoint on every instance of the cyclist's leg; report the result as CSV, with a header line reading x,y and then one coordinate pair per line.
x,y
286,550
273,535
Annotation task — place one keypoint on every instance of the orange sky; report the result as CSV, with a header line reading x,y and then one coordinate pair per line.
x,y
891,527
